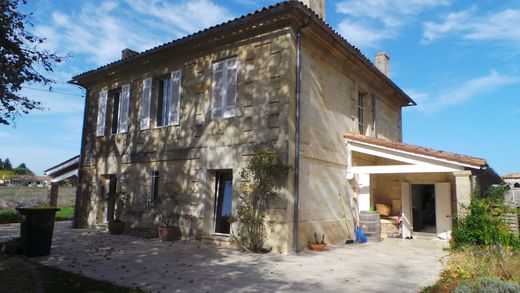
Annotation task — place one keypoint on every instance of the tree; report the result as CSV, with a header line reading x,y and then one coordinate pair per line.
x,y
22,170
21,59
5,165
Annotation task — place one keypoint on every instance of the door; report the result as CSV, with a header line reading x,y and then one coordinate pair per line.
x,y
224,199
443,209
406,209
111,197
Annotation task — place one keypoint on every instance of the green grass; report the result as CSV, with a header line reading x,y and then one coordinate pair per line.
x,y
11,215
17,274
65,214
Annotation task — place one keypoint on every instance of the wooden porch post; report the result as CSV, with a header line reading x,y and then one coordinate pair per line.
x,y
53,198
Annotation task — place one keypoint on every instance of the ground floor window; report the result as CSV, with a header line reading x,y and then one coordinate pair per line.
x,y
223,201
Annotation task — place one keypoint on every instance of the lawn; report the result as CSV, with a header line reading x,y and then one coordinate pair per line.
x,y
18,274
10,197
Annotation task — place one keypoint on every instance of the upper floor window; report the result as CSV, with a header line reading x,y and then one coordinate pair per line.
x,y
168,100
361,112
146,104
119,100
224,88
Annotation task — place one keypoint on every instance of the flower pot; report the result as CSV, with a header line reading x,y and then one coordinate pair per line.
x,y
317,246
116,227
167,233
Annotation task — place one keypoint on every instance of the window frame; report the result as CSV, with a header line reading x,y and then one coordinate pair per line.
x,y
154,187
229,65
360,106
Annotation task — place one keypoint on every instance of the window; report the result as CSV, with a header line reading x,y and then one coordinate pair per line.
x,y
374,118
224,89
102,113
154,187
516,185
124,109
115,111
169,99
361,113
146,100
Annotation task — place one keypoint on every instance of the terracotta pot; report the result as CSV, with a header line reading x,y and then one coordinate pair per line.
x,y
317,246
116,227
167,233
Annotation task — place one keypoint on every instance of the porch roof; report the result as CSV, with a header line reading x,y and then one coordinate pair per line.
x,y
438,154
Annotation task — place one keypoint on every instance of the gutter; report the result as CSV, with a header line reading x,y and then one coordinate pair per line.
x,y
297,150
76,222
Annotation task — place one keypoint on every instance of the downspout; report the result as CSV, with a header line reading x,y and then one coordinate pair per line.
x,y
297,149
76,223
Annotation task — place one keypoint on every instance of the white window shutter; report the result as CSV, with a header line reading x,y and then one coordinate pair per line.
x,y
124,109
218,90
166,110
231,88
102,113
176,88
146,100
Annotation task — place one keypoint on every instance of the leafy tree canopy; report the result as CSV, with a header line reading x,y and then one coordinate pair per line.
x,y
22,170
21,60
6,164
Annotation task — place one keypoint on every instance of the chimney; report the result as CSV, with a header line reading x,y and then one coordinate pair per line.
x,y
318,6
127,53
383,63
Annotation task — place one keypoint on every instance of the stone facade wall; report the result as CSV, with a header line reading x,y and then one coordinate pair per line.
x,y
187,156
330,87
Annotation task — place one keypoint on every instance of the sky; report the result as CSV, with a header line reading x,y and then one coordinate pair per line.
x,y
459,60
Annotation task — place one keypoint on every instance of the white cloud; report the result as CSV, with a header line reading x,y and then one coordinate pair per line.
x,y
499,26
369,21
435,102
101,30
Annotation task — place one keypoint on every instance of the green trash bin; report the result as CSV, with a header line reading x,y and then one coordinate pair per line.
x,y
36,227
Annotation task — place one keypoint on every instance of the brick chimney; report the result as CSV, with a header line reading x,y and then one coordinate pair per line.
x,y
318,6
383,63
127,53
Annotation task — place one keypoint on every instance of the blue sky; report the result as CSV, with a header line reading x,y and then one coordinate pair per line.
x,y
460,60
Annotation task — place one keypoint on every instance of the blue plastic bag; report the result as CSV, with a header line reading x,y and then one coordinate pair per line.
x,y
360,235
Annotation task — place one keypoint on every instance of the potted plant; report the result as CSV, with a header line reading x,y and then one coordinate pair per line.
x,y
318,245
116,226
167,232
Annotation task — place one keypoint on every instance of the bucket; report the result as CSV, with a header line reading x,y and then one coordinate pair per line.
x,y
370,222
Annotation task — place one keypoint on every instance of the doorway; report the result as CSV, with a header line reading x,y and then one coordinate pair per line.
x,y
223,201
111,198
423,208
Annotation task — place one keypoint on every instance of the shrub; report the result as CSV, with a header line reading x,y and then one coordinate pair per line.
x,y
484,225
266,172
486,285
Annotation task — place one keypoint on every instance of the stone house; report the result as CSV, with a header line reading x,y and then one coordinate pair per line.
x,y
177,123
513,181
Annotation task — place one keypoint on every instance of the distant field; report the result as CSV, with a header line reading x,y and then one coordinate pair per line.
x,y
66,195
66,199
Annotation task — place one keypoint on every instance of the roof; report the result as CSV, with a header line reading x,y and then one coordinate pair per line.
x,y
417,149
64,167
511,176
291,4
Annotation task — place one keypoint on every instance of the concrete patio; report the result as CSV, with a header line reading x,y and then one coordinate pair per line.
x,y
393,265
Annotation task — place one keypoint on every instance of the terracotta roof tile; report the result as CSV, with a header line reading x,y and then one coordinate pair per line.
x,y
417,149
511,176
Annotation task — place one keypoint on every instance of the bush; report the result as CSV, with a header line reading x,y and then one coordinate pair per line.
x,y
484,225
486,285
9,216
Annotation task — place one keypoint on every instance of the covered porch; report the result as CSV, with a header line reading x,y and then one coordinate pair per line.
x,y
420,187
